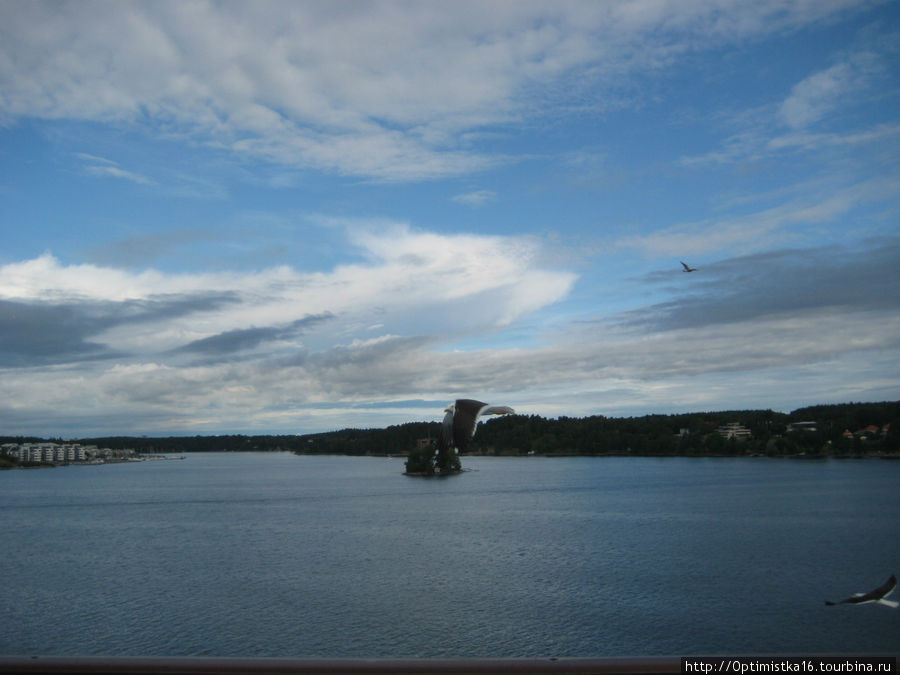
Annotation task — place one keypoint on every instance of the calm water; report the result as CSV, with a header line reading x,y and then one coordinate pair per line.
x,y
279,555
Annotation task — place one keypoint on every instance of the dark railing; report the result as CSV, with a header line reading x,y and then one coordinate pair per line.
x,y
734,665
278,666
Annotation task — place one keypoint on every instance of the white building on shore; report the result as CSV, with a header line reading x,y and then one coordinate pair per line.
x,y
734,430
54,453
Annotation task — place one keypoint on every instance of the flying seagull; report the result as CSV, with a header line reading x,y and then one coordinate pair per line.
x,y
688,268
878,595
459,422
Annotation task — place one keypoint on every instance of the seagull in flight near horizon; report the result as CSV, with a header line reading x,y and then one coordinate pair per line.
x,y
878,595
460,420
688,268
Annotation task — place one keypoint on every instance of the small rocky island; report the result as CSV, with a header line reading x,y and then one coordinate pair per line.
x,y
426,461
457,429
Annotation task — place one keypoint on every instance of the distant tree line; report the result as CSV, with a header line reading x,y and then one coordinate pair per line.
x,y
691,434
697,434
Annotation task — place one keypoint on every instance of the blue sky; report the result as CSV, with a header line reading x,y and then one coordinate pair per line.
x,y
271,217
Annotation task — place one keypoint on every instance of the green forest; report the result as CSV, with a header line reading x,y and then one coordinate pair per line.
x,y
692,434
852,429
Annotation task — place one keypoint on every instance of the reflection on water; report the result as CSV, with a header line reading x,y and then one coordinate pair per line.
x,y
279,555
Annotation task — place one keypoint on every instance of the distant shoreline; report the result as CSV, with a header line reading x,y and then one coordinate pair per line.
x,y
802,456
835,430
115,460
799,457
619,454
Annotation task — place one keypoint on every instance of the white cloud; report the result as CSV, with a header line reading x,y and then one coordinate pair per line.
x,y
780,362
816,114
881,133
475,198
385,90
751,347
765,228
116,172
813,98
420,281
100,166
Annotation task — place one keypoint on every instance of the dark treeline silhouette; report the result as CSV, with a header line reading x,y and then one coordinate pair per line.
x,y
697,434
844,429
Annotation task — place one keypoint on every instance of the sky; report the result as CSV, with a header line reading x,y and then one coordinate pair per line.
x,y
293,217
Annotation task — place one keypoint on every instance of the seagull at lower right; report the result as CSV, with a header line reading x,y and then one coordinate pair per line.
x,y
878,595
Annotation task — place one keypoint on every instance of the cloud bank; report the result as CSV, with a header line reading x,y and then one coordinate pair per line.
x,y
291,350
387,91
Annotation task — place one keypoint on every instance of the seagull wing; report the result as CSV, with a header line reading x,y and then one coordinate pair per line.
x,y
464,420
882,591
497,410
875,595
445,441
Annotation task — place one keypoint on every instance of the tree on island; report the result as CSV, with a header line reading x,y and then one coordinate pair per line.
x,y
457,430
425,461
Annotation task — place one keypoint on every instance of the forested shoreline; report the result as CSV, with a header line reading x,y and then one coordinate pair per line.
x,y
852,429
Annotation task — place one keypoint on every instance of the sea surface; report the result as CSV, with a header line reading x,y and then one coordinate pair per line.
x,y
237,554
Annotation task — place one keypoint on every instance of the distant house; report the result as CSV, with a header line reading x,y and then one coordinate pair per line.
x,y
802,426
734,430
869,431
